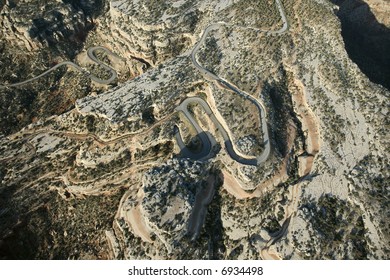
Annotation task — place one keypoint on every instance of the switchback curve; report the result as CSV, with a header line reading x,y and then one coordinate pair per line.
x,y
91,55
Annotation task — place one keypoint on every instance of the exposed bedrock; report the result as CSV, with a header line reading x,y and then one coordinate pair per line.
x,y
34,36
56,24
173,211
152,31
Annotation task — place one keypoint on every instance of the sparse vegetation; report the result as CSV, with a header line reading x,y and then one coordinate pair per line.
x,y
96,171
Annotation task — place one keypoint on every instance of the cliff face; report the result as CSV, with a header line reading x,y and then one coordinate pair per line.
x,y
103,175
366,33
381,10
32,25
34,36
153,31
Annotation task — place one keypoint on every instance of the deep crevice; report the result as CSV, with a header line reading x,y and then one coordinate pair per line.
x,y
367,41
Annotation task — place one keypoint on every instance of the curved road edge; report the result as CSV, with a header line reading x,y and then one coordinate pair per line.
x,y
91,55
260,106
206,141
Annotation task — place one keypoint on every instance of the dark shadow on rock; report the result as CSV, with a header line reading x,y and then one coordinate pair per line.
x,y
91,8
366,40
280,112
238,158
208,241
200,146
19,231
213,226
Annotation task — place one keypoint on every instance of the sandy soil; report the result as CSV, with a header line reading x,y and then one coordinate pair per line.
x,y
381,10
233,186
138,225
269,254
309,124
281,175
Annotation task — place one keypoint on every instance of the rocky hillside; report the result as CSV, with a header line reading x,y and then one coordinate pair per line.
x,y
36,35
91,171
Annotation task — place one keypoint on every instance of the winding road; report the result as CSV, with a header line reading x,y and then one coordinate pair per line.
x,y
205,138
211,76
208,142
196,221
91,54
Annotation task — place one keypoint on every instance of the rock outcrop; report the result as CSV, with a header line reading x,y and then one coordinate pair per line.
x,y
56,24
107,179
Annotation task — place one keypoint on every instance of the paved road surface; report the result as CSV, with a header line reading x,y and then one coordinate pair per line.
x,y
91,55
207,143
211,76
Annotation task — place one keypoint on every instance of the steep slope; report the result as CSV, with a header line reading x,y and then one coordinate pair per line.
x,y
366,33
109,179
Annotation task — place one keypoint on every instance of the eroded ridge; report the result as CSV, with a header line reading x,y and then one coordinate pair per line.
x,y
91,55
211,76
207,141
